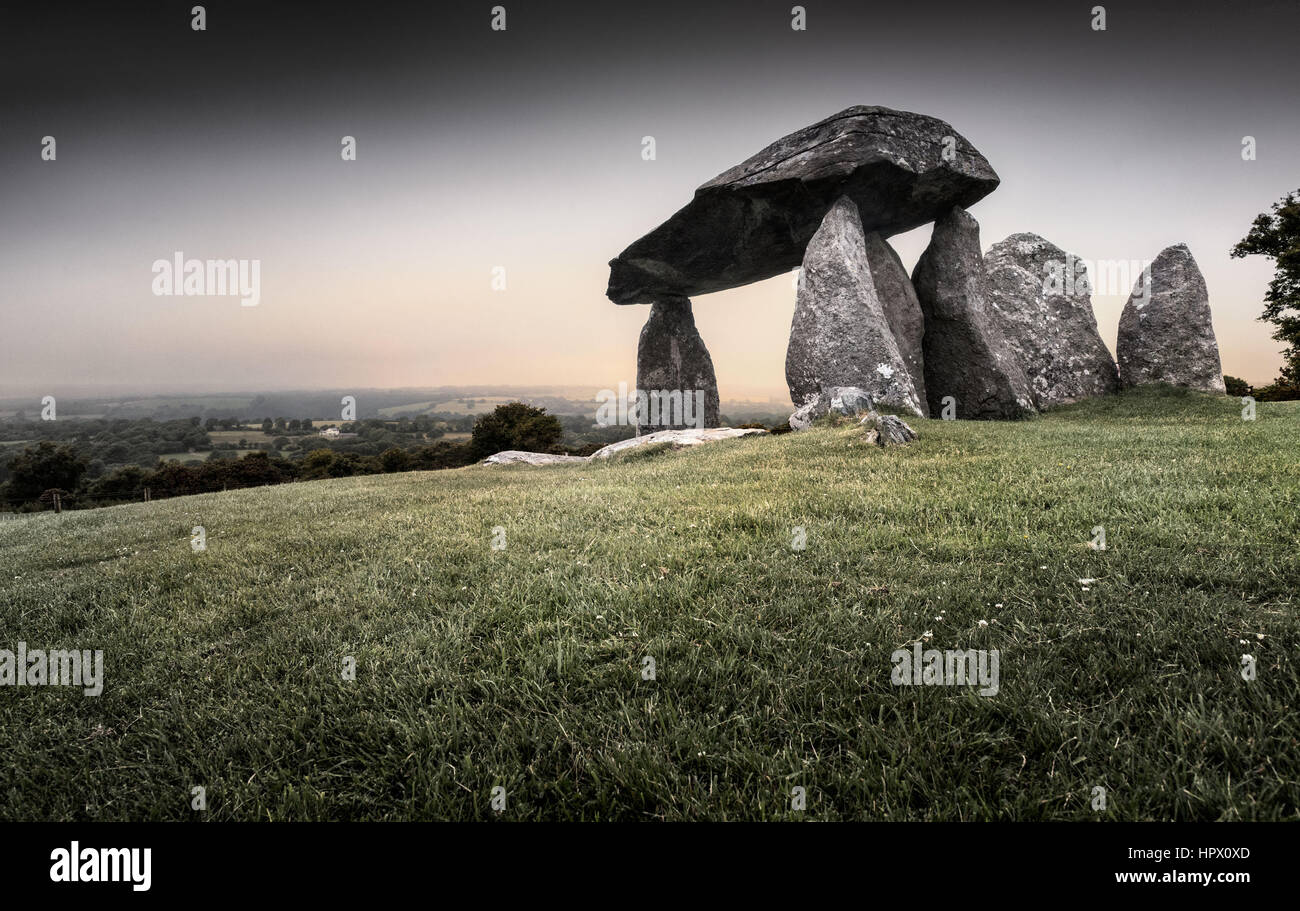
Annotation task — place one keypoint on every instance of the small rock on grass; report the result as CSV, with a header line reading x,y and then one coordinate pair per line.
x,y
887,430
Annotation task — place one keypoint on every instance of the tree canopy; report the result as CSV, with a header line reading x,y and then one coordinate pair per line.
x,y
1277,236
515,426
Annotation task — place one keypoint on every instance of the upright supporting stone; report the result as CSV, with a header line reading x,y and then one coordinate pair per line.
x,y
675,382
1165,332
902,309
966,356
839,336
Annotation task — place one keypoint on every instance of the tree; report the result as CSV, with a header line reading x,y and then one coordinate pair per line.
x,y
395,460
1277,236
122,485
515,426
318,464
1236,385
40,468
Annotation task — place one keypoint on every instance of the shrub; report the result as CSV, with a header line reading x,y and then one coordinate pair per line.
x,y
1277,392
515,426
395,459
1236,385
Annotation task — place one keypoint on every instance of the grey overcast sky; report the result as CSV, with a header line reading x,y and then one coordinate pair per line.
x,y
522,149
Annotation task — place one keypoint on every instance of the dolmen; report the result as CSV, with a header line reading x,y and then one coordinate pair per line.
x,y
966,335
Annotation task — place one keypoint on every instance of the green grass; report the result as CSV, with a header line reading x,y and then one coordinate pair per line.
x,y
521,668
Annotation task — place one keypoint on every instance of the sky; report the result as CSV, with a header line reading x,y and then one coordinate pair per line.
x,y
522,150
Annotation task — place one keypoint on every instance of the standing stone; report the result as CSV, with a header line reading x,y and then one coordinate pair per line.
x,y
902,309
1165,332
1040,297
674,373
839,335
966,355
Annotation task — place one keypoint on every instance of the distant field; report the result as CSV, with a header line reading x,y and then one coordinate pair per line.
x,y
234,436
185,456
522,667
203,456
481,404
197,404
33,413
407,409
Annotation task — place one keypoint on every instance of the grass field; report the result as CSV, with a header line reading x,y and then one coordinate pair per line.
x,y
407,408
199,456
521,668
252,435
202,454
482,404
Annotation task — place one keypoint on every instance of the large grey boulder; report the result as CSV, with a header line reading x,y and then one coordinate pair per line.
x,y
1165,332
839,335
902,309
966,355
1041,299
674,372
754,221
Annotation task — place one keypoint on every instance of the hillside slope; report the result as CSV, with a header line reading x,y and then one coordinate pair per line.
x,y
522,667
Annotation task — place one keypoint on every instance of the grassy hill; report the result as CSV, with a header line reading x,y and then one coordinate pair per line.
x,y
522,667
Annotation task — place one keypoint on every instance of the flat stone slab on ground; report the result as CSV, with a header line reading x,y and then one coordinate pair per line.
x,y
678,438
518,456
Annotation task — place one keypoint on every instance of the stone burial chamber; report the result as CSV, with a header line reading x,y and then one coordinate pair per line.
x,y
754,221
965,335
